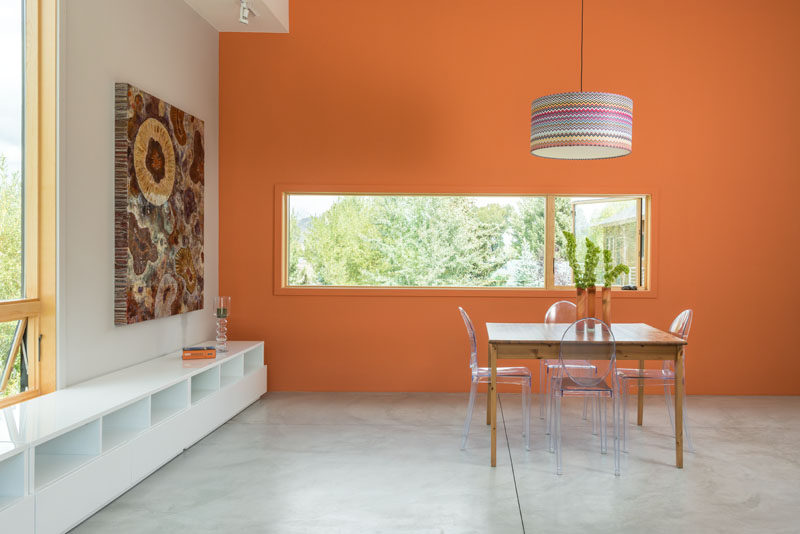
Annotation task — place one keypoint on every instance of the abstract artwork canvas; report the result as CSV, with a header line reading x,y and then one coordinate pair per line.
x,y
158,208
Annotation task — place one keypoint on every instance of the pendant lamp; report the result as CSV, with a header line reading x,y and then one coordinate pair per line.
x,y
581,125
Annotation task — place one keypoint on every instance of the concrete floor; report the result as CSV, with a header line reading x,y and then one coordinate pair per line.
x,y
363,462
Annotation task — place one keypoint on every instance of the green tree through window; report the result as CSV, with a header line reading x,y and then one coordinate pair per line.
x,y
10,264
428,240
11,156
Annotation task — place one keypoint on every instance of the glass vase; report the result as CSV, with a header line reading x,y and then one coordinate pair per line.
x,y
222,310
607,305
580,304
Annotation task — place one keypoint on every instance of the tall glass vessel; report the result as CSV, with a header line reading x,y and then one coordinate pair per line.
x,y
222,310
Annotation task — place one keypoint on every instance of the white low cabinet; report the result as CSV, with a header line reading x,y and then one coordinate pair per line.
x,y
79,448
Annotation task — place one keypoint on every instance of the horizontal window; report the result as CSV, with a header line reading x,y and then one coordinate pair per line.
x,y
455,241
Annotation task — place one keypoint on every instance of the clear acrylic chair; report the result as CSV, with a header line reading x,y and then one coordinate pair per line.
x,y
562,311
666,376
589,339
505,375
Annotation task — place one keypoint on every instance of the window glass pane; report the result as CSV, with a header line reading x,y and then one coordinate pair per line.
x,y
563,273
11,106
612,223
416,241
13,359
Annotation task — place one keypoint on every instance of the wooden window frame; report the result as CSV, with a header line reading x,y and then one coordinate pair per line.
x,y
281,225
643,206
40,197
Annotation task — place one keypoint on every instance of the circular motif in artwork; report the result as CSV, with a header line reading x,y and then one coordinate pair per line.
x,y
184,267
154,162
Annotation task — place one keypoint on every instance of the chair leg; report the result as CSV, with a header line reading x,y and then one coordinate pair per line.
x,y
542,388
616,435
548,392
603,429
547,402
526,392
670,406
585,407
526,409
624,408
595,414
550,417
558,434
472,391
524,395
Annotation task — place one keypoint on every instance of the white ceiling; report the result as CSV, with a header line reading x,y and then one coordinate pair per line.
x,y
271,16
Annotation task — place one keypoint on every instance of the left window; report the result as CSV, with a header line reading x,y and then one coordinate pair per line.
x,y
27,198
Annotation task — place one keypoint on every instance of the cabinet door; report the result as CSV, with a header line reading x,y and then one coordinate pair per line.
x,y
68,501
18,518
157,446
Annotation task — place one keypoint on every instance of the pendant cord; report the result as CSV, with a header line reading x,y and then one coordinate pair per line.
x,y
581,46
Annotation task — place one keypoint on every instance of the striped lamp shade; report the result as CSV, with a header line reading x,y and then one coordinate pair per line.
x,y
581,126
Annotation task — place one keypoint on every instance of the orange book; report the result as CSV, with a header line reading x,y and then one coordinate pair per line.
x,y
199,353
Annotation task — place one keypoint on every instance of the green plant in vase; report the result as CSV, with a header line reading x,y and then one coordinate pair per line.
x,y
572,251
577,276
590,261
609,275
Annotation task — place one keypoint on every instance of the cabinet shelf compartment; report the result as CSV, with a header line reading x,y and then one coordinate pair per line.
x,y
232,371
205,384
254,359
65,453
12,479
126,423
168,402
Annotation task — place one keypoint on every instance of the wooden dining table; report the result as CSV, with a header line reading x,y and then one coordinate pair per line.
x,y
540,341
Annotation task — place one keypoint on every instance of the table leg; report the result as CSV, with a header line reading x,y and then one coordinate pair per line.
x,y
679,409
640,399
493,400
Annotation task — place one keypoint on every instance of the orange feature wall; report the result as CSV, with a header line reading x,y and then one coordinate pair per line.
x,y
422,94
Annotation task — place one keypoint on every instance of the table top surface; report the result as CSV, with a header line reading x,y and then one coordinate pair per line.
x,y
624,334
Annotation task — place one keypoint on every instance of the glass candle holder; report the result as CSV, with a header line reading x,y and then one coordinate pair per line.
x,y
222,310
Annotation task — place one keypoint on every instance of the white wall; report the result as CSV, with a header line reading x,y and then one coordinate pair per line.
x,y
166,49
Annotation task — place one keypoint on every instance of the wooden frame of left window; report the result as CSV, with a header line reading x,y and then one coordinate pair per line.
x,y
39,232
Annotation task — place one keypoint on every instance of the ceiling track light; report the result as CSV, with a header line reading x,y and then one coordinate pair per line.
x,y
244,12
